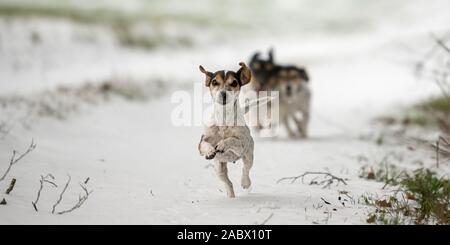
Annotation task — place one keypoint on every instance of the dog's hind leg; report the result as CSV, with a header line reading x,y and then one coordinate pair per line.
x,y
248,163
222,173
285,121
302,125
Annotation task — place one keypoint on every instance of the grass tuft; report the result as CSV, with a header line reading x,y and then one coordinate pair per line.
x,y
422,198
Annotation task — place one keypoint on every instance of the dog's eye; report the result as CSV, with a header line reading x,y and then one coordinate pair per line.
x,y
234,83
214,82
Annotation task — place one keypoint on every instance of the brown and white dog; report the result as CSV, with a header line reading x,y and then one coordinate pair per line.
x,y
226,137
295,99
292,84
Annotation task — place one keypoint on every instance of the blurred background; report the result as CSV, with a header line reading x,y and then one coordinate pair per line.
x,y
82,62
358,44
356,51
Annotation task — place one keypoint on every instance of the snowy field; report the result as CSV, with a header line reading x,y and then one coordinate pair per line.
x,y
144,170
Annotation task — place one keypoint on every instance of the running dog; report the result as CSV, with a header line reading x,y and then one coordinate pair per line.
x,y
295,100
292,84
226,137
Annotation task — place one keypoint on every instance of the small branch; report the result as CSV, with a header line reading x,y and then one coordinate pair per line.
x,y
325,201
61,195
440,42
11,186
42,181
14,160
81,200
330,178
437,154
267,219
442,147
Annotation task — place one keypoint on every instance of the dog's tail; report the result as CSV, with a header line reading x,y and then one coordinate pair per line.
x,y
256,102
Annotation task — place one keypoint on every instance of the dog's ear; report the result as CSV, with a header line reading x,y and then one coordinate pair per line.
x,y
245,75
255,57
207,74
303,74
271,55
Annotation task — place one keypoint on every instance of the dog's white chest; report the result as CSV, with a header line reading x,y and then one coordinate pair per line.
x,y
222,132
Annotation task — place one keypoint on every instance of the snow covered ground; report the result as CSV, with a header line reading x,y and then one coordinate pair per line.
x,y
144,170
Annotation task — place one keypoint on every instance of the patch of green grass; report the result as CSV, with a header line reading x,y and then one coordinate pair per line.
x,y
437,104
96,16
120,23
146,41
422,198
430,113
386,173
432,193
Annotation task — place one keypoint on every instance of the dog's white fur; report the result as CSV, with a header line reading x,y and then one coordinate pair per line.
x,y
291,107
226,138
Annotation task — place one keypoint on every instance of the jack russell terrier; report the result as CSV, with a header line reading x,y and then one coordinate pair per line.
x,y
226,138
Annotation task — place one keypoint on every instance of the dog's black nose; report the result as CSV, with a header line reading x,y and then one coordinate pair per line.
x,y
289,90
223,95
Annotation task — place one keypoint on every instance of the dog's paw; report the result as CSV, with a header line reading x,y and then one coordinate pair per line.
x,y
210,155
208,151
246,182
220,147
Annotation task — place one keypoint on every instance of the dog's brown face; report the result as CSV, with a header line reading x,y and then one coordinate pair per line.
x,y
290,82
225,86
262,70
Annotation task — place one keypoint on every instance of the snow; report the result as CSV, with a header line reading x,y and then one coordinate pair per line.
x,y
144,170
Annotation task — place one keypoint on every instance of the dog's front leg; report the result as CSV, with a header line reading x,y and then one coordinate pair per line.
x,y
222,173
232,144
206,149
302,125
248,163
285,121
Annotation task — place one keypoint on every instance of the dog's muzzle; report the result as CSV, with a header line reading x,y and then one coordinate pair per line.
x,y
223,97
289,90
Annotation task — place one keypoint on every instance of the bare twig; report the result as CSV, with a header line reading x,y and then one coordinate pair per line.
x,y
42,181
437,154
442,147
14,160
441,43
438,74
325,201
442,87
61,195
11,186
81,200
329,179
267,219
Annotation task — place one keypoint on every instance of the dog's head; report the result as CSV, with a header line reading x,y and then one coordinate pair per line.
x,y
291,81
225,86
262,69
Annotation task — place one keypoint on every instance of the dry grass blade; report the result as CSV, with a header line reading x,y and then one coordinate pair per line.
x,y
81,200
442,148
14,160
42,181
11,186
267,219
61,195
329,179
